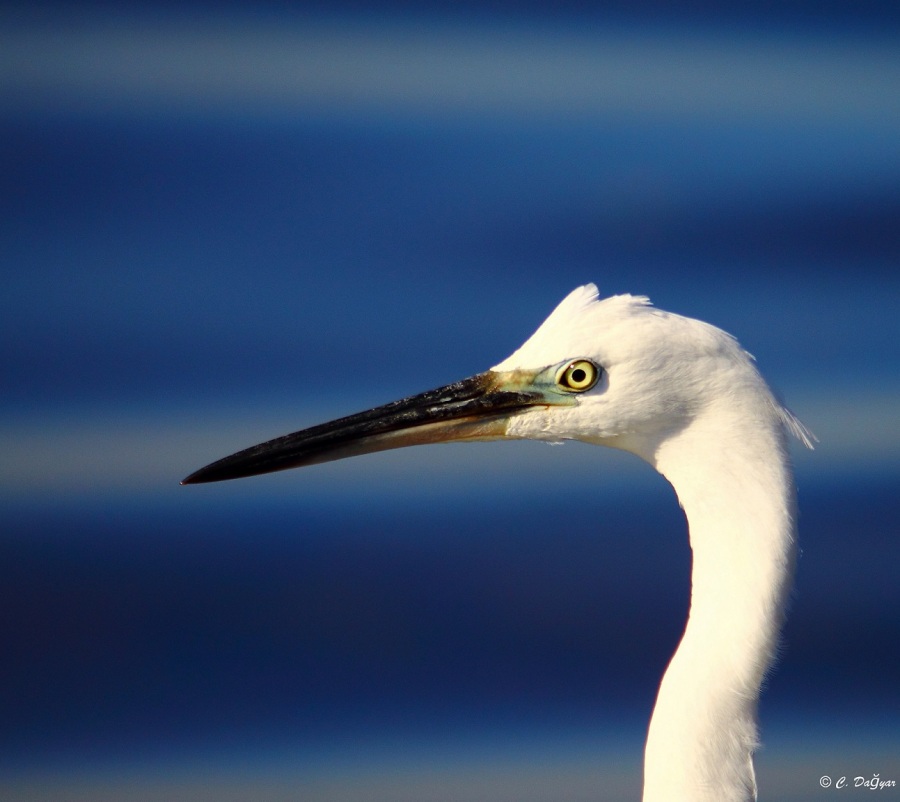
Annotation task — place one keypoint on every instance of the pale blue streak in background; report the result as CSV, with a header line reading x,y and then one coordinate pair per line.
x,y
218,227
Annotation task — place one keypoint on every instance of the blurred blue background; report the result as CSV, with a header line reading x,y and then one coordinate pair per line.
x,y
224,222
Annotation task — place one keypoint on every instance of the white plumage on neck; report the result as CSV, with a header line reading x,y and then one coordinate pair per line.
x,y
738,497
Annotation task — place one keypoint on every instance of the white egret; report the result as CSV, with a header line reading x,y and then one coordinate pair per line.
x,y
686,398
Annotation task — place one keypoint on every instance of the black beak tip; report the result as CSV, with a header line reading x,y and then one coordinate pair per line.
x,y
195,478
239,466
211,473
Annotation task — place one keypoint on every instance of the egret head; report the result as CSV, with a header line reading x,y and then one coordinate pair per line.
x,y
614,372
653,372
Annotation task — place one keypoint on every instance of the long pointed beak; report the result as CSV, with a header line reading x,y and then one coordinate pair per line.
x,y
477,408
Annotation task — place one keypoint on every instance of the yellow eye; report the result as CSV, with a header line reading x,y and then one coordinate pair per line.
x,y
578,376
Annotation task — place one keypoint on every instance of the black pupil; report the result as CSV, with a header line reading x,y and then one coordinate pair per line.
x,y
578,375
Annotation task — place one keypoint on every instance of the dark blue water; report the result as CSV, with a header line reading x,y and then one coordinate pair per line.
x,y
159,262
131,629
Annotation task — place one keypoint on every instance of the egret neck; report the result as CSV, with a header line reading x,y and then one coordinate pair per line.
x,y
731,472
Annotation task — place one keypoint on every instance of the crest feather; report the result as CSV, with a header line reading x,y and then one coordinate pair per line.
x,y
580,312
